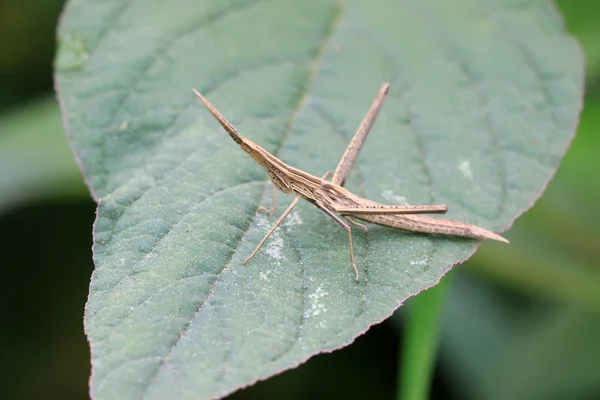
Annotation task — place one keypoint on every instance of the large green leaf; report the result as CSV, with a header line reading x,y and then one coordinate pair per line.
x,y
484,101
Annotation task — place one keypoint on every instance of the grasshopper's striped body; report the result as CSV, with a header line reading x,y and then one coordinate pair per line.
x,y
333,199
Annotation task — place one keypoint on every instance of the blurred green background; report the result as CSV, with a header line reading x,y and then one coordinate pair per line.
x,y
520,322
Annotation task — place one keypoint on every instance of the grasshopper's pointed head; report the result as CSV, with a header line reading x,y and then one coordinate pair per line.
x,y
228,126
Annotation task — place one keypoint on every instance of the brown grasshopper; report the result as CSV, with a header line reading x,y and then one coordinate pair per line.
x,y
334,200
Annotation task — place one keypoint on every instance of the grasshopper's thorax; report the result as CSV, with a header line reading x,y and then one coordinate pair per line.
x,y
270,164
336,195
279,181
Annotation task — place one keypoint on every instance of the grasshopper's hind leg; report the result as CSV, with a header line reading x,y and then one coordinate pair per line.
x,y
348,231
362,226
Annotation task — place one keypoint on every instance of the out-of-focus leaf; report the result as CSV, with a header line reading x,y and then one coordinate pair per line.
x,y
420,343
484,100
582,21
497,352
35,159
554,251
542,269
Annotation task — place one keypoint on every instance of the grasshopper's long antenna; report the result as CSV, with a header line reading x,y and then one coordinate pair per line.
x,y
347,161
228,126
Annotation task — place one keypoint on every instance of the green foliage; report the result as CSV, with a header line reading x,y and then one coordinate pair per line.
x,y
420,347
483,104
35,159
533,333
523,350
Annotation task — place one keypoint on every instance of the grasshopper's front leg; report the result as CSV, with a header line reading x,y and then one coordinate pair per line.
x,y
279,221
272,209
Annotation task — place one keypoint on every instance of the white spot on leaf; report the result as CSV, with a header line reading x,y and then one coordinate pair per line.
x,y
315,306
265,275
465,168
293,219
395,199
274,244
